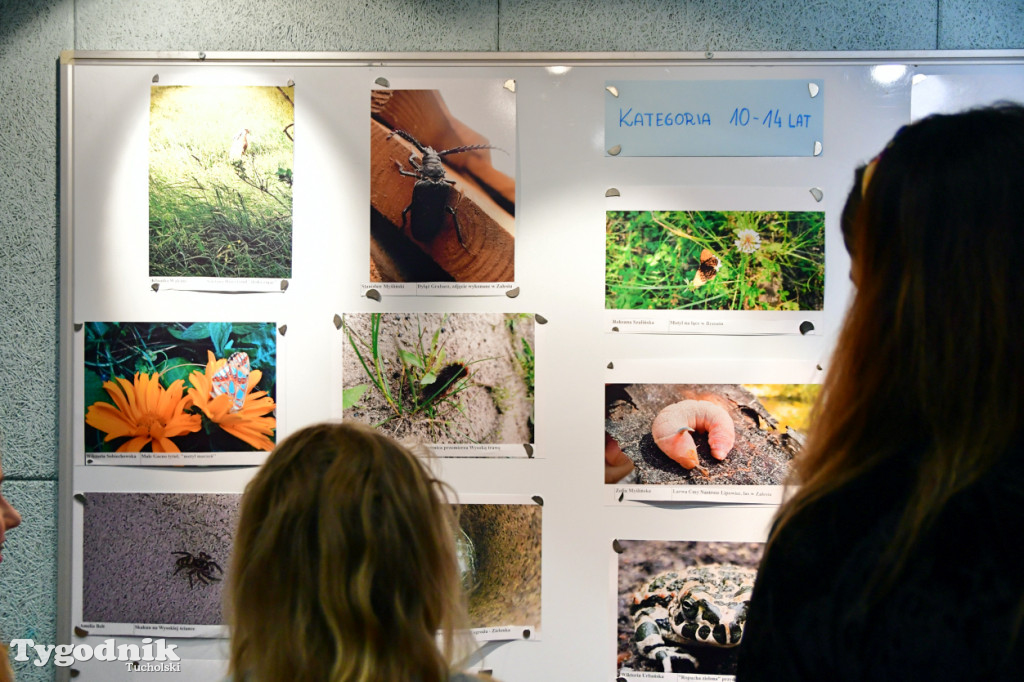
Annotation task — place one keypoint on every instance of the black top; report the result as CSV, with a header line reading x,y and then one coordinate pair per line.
x,y
953,614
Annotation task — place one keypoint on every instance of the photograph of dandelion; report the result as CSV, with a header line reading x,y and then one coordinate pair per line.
x,y
167,552
184,387
220,181
441,378
715,260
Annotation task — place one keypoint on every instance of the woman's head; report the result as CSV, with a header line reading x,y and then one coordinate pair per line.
x,y
344,564
927,377
9,516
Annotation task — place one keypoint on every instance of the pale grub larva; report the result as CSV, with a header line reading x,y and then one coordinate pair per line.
x,y
671,430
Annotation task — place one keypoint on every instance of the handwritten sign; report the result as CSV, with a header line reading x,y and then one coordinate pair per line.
x,y
714,118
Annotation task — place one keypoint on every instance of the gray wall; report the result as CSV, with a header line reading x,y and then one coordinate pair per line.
x,y
33,32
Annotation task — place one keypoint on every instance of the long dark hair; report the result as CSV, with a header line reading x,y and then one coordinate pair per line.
x,y
928,373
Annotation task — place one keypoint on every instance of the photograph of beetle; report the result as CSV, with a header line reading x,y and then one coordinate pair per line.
x,y
156,558
706,434
441,378
442,192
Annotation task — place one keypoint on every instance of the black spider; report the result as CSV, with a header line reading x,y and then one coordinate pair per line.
x,y
199,566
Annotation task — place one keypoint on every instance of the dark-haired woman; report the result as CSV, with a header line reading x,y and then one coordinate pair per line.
x,y
895,558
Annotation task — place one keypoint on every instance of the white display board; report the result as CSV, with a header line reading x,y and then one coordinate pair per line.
x,y
546,115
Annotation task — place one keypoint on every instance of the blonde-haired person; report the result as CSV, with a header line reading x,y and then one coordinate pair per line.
x,y
9,518
893,559
344,566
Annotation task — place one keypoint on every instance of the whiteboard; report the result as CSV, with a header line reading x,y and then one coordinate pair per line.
x,y
562,175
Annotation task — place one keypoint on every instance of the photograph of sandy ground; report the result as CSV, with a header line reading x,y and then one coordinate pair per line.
x,y
769,422
642,560
441,377
129,563
505,545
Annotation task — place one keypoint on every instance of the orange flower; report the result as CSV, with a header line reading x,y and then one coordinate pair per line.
x,y
145,411
250,423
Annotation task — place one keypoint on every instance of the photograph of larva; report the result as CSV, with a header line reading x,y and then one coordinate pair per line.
x,y
715,260
682,605
441,378
173,387
704,434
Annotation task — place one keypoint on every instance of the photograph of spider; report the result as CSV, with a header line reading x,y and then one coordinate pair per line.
x,y
199,567
156,559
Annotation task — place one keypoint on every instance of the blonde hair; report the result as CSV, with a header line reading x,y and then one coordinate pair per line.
x,y
927,380
344,566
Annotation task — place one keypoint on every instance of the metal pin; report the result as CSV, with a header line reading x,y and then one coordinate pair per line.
x,y
817,194
813,89
373,294
337,321
283,329
510,85
612,192
817,148
616,150
512,293
383,82
540,318
612,89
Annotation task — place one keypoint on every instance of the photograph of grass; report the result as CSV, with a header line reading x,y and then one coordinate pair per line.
x,y
166,552
499,552
715,260
655,576
180,387
708,434
441,377
440,209
220,181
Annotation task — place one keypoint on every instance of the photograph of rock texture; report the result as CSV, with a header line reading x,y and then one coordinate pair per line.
x,y
708,434
156,557
441,377
504,543
440,211
716,576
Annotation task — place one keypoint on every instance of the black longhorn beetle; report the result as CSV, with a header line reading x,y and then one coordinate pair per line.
x,y
432,188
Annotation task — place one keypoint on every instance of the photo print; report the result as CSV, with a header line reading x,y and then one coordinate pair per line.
x,y
220,181
682,605
461,381
175,392
156,559
442,183
707,434
499,548
715,260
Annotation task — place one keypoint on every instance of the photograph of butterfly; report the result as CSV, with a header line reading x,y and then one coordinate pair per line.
x,y
193,387
714,260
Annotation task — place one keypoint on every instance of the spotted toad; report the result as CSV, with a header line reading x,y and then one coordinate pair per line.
x,y
702,606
